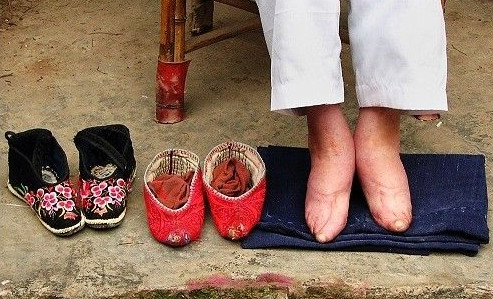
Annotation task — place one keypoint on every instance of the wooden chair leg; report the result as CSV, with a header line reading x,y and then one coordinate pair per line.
x,y
171,67
167,31
180,27
202,16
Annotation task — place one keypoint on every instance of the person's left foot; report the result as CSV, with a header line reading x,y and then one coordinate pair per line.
x,y
380,170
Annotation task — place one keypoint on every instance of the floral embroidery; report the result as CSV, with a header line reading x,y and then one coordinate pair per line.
x,y
66,191
116,193
68,205
98,189
49,201
178,238
29,199
100,197
103,201
52,201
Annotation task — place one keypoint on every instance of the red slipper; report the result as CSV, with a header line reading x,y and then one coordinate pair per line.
x,y
175,227
235,216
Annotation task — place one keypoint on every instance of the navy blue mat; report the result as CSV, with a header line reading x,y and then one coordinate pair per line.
x,y
449,207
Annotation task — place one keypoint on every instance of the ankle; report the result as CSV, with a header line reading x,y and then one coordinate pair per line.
x,y
328,132
378,128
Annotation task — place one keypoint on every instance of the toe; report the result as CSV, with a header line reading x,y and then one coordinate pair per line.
x,y
330,231
399,225
392,214
330,220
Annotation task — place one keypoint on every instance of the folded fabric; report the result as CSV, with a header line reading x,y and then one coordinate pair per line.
x,y
231,178
172,190
449,207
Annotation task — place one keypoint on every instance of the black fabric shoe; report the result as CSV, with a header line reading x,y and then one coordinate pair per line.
x,y
39,175
107,170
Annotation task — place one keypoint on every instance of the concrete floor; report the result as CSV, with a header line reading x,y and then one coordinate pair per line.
x,y
66,65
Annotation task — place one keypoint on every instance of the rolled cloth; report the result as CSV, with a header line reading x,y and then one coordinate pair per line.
x,y
172,190
231,178
448,194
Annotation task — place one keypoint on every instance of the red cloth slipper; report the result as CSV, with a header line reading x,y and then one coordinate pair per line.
x,y
235,216
175,227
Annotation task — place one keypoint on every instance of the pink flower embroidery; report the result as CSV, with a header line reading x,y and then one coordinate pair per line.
x,y
121,183
101,212
29,198
49,200
116,192
65,191
70,215
67,205
98,189
40,193
102,201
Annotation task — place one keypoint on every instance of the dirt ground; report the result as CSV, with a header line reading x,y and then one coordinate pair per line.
x,y
66,65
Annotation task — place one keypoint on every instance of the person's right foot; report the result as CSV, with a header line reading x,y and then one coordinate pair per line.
x,y
332,169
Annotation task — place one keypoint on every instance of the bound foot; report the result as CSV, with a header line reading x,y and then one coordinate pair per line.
x,y
332,169
379,167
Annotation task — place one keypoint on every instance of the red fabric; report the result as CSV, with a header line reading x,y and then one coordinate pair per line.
x,y
234,219
231,178
172,190
177,227
170,95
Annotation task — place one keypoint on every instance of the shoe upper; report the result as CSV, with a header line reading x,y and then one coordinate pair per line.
x,y
235,216
175,227
103,145
35,153
106,166
39,174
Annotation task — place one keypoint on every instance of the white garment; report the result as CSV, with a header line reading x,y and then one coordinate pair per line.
x,y
398,51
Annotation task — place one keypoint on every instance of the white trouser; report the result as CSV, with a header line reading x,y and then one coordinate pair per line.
x,y
398,51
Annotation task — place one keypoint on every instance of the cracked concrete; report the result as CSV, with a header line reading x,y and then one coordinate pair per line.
x,y
67,65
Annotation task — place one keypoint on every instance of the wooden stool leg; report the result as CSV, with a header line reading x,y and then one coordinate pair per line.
x,y
180,22
171,67
167,30
202,16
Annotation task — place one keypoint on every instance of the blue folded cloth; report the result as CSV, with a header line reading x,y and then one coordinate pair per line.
x,y
448,194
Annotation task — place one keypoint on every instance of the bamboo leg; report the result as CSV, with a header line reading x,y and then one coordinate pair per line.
x,y
202,16
167,31
180,19
171,69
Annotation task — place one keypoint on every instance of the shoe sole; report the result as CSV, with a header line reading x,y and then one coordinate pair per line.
x,y
112,222
63,232
106,223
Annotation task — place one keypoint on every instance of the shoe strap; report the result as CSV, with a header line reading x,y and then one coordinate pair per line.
x,y
85,137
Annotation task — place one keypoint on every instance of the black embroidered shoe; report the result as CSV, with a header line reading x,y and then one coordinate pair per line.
x,y
106,173
39,175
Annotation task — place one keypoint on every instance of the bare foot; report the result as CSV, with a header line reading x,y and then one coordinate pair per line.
x,y
333,162
379,167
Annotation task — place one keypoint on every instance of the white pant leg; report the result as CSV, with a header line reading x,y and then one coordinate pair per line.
x,y
399,54
304,44
267,9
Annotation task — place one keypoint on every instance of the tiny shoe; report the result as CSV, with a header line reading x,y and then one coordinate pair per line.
x,y
106,173
39,175
234,214
175,226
